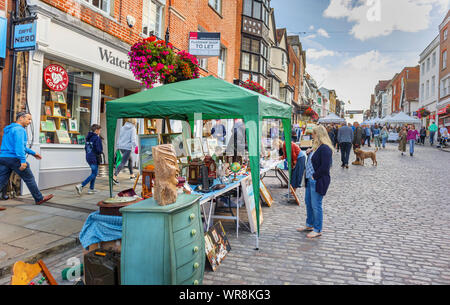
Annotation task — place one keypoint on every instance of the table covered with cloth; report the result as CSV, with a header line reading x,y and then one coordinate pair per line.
x,y
98,228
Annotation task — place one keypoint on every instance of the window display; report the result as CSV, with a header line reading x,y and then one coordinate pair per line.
x,y
66,104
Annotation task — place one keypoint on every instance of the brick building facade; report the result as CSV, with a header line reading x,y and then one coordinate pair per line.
x,y
405,90
444,73
183,17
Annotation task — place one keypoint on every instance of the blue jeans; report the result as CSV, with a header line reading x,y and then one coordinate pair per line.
x,y
313,201
432,137
91,178
7,165
411,146
384,140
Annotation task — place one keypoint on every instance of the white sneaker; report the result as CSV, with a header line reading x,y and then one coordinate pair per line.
x,y
90,192
79,189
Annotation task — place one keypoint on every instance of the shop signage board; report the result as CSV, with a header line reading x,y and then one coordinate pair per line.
x,y
25,37
56,77
204,44
3,31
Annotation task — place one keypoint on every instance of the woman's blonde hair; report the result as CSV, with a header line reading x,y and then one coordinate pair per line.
x,y
321,138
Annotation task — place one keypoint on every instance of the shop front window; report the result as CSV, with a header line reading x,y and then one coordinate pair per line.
x,y
65,114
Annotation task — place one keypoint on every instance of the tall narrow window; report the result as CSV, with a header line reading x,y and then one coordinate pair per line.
x,y
433,85
428,89
444,59
434,59
217,5
247,8
151,18
222,63
257,10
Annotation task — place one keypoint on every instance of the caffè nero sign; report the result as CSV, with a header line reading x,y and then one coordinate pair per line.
x,y
113,59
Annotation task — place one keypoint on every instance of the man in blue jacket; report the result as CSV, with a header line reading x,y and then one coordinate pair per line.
x,y
13,156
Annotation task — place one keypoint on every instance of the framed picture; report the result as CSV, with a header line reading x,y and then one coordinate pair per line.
x,y
51,126
282,175
56,111
63,137
213,147
194,148
60,97
265,194
146,142
177,140
249,199
53,96
81,139
48,111
294,194
217,245
63,125
73,125
42,138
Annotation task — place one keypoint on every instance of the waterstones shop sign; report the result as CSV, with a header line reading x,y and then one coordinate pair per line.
x,y
109,57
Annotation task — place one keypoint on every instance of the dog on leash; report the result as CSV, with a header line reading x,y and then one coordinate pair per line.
x,y
361,155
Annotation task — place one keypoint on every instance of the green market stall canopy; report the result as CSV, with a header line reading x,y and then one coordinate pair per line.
x,y
211,97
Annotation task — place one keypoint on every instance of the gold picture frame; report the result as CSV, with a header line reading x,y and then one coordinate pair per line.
x,y
265,194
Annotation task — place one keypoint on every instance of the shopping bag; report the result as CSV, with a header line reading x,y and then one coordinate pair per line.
x,y
118,157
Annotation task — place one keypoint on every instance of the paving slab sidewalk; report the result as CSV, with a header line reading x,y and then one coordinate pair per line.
x,y
29,232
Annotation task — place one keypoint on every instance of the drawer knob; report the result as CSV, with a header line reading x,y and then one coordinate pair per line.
x,y
193,232
192,216
196,265
196,282
195,249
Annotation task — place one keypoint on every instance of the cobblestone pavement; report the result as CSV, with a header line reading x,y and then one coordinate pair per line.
x,y
382,225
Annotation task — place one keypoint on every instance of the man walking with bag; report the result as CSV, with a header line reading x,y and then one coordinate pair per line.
x,y
13,156
345,140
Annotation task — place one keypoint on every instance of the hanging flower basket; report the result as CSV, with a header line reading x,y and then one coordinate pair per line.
x,y
153,61
448,109
254,86
423,112
309,112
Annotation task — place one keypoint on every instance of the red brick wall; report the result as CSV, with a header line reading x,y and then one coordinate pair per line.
x,y
187,16
116,25
411,78
2,5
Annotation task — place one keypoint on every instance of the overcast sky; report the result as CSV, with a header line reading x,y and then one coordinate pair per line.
x,y
351,44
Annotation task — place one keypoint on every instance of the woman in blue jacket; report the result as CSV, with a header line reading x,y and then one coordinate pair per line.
x,y
93,149
317,180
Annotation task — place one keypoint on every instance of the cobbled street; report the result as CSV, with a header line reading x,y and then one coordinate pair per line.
x,y
382,225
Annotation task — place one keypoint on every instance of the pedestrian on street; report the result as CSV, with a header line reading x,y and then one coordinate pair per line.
x,y
402,136
384,136
358,137
443,132
126,144
368,135
423,135
93,148
345,139
336,142
411,138
317,180
331,135
377,136
432,129
219,132
13,156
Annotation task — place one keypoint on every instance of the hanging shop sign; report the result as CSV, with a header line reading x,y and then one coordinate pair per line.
x,y
56,77
25,37
204,44
3,31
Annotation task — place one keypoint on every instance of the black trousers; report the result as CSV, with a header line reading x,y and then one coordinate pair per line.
x,y
346,147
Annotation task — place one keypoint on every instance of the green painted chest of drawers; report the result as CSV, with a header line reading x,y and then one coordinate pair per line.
x,y
163,245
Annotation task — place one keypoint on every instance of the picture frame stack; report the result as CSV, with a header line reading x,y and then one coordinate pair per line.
x,y
57,124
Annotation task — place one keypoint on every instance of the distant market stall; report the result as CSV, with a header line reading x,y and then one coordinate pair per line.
x,y
332,118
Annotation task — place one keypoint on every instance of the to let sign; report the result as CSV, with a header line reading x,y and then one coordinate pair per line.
x,y
25,37
204,44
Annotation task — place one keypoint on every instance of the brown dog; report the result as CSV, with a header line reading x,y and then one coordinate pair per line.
x,y
361,155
